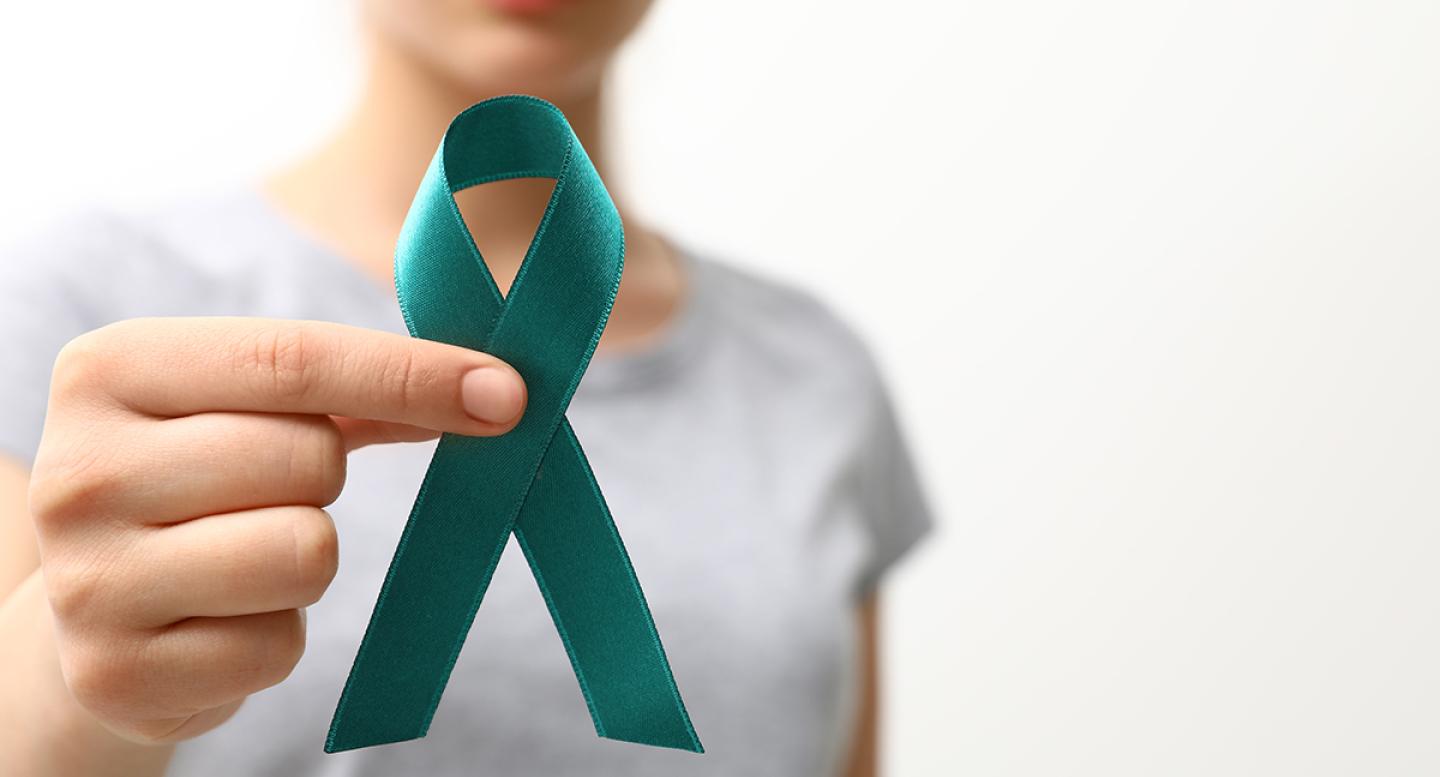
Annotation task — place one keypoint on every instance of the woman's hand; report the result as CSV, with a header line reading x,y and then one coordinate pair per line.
x,y
179,487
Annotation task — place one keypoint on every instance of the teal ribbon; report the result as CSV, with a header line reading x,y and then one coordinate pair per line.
x,y
533,481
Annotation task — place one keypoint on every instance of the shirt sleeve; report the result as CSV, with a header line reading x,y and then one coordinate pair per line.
x,y
40,310
893,505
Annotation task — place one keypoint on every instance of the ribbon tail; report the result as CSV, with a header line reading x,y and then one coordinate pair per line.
x,y
435,585
585,575
441,568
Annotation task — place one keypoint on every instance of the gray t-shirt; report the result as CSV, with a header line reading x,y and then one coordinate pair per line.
x,y
751,459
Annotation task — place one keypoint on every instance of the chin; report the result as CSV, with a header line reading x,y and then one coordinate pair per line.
x,y
550,52
529,60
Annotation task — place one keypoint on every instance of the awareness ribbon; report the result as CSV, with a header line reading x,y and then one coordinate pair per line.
x,y
534,480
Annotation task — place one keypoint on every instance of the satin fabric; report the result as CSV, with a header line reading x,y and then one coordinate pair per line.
x,y
533,481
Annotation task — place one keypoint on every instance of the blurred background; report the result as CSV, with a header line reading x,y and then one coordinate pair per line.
x,y
1157,286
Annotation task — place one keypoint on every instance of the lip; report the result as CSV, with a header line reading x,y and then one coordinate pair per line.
x,y
525,7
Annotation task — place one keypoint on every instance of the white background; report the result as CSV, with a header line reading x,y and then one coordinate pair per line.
x,y
1155,283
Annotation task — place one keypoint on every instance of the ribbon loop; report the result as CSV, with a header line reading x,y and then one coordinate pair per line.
x,y
534,480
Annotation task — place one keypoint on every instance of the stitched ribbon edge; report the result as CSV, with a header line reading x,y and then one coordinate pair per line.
x,y
515,518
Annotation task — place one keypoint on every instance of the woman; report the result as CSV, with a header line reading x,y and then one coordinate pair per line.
x,y
741,435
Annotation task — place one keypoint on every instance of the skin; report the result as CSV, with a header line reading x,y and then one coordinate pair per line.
x,y
127,621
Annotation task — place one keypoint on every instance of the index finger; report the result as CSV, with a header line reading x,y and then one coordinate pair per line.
x,y
174,367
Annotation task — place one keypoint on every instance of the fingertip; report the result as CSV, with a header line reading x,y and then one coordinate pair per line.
x,y
494,394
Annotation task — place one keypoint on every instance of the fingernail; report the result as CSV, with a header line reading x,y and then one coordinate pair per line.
x,y
492,394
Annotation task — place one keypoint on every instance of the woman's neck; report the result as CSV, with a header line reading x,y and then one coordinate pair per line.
x,y
353,192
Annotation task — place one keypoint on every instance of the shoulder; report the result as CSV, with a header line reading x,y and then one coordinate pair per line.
x,y
62,244
71,265
204,233
786,331
815,389
113,262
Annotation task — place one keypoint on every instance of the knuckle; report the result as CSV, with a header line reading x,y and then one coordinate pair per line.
x,y
89,358
74,480
400,380
317,458
72,590
99,679
78,364
292,642
282,645
279,358
316,553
